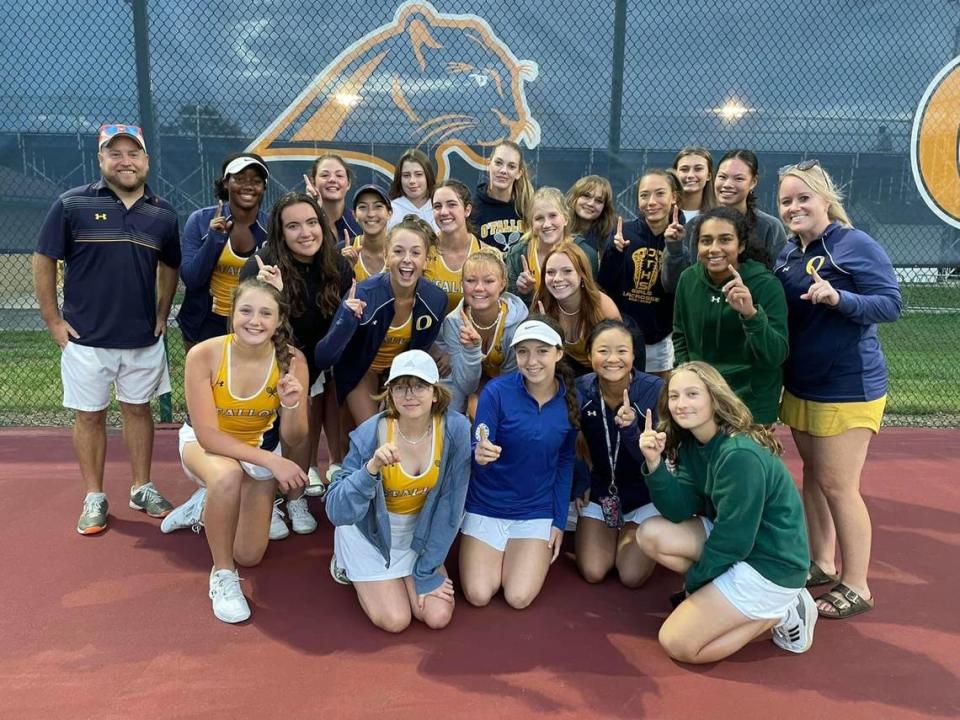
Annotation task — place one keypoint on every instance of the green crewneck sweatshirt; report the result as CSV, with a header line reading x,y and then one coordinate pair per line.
x,y
749,495
748,353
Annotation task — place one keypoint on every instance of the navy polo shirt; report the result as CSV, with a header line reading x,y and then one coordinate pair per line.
x,y
111,255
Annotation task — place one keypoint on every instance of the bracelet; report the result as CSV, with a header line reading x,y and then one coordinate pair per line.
x,y
290,407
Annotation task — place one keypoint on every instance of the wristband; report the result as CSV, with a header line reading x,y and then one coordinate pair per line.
x,y
290,407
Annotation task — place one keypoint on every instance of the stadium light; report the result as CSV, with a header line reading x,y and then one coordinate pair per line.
x,y
732,110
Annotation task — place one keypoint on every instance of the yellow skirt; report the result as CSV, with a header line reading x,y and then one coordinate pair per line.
x,y
829,419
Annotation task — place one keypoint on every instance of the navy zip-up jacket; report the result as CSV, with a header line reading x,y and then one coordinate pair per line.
x,y
835,353
200,248
350,345
644,391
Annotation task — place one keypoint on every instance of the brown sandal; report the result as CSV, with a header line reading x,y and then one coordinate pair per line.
x,y
817,577
843,602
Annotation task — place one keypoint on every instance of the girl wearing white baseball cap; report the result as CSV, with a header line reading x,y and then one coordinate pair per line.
x,y
398,499
524,439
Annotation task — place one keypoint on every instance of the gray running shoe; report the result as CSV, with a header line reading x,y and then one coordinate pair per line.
x,y
338,574
148,499
93,519
188,515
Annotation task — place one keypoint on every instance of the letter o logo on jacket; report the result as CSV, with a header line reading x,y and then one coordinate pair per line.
x,y
423,322
814,264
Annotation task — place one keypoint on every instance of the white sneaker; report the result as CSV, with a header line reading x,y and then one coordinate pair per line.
x,y
338,574
331,471
229,604
315,486
300,518
188,515
278,527
795,633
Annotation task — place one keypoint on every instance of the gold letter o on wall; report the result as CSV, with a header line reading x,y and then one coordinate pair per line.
x,y
935,144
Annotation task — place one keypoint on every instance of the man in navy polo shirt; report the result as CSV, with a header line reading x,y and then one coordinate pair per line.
x,y
120,242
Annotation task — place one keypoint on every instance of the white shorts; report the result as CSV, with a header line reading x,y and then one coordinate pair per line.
x,y
364,563
495,531
187,436
660,355
139,374
753,595
637,515
317,387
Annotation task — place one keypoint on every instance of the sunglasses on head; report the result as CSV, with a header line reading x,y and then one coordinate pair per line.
x,y
110,130
803,166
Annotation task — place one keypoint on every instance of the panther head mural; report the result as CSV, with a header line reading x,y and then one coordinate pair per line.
x,y
445,83
935,144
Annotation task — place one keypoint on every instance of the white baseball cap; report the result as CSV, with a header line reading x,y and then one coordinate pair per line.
x,y
536,330
414,363
241,163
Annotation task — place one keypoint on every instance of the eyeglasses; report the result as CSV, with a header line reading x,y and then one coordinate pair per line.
x,y
411,389
802,166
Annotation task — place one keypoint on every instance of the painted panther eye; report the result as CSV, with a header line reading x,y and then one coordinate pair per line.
x,y
480,79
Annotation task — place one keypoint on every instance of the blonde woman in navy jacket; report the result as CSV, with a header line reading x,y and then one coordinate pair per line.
x,y
394,311
839,283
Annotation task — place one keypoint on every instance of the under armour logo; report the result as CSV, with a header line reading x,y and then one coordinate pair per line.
x,y
715,298
591,413
100,216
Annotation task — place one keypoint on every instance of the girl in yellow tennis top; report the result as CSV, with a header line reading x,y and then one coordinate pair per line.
x,y
451,210
239,388
373,210
398,499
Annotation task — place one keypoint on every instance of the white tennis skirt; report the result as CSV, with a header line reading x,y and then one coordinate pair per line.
x,y
364,563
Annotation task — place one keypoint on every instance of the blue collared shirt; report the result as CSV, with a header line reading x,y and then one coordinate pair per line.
x,y
111,254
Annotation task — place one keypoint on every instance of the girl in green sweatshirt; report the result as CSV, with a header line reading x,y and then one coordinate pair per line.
x,y
732,522
730,311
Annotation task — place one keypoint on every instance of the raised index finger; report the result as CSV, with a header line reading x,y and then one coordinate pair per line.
x,y
626,398
526,266
353,291
259,262
465,317
676,214
648,424
619,224
219,210
736,275
816,275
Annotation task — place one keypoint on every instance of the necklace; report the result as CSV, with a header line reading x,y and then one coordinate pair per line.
x,y
492,325
568,314
419,439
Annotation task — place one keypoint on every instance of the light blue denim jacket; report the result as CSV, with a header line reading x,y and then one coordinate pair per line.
x,y
356,498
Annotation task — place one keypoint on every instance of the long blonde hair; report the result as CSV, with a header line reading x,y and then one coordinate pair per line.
x,y
817,179
522,193
729,412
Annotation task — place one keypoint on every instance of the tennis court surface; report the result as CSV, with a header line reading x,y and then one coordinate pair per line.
x,y
119,625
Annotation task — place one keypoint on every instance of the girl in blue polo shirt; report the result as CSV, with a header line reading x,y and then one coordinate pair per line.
x,y
839,283
524,437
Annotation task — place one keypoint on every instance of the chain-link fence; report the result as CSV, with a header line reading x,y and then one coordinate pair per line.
x,y
586,88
